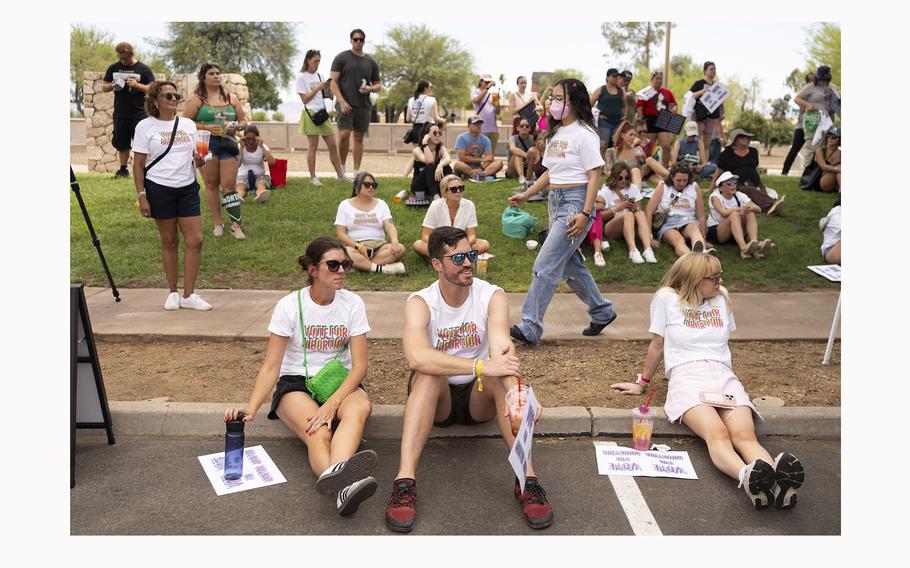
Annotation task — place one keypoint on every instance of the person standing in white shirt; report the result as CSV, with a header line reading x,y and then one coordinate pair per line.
x,y
691,321
167,190
310,328
573,163
453,210
313,92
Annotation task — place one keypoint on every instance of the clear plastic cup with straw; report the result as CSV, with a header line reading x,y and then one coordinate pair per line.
x,y
642,428
517,403
202,142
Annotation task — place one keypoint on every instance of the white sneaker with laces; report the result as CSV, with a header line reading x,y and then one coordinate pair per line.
x,y
757,482
394,268
648,255
604,246
315,180
635,257
194,302
353,495
599,259
172,302
346,472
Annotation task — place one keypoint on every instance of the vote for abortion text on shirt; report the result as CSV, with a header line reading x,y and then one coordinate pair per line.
x,y
363,225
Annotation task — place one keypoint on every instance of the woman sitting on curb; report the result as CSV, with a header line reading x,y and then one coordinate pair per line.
x,y
691,321
731,211
685,210
362,223
319,324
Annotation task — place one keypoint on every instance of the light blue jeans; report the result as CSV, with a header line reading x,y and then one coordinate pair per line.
x,y
559,259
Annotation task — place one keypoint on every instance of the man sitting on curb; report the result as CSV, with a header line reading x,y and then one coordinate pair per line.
x,y
475,153
456,342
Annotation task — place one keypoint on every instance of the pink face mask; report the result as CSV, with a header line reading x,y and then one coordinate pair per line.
x,y
558,109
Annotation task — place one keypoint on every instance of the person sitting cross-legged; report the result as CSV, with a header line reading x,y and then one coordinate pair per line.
x,y
462,361
475,153
453,210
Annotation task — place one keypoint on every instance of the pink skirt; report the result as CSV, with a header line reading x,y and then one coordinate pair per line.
x,y
687,380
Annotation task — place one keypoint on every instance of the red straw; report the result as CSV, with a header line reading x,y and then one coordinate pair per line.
x,y
646,407
519,394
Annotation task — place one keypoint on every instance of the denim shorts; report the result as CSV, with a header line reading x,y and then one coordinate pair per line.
x,y
675,222
223,147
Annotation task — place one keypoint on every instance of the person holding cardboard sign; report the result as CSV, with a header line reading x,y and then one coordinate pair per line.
x,y
691,322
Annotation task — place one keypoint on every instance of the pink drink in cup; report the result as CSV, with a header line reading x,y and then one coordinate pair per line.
x,y
518,406
202,142
642,428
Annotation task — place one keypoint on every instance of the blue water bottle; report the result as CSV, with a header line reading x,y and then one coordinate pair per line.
x,y
233,449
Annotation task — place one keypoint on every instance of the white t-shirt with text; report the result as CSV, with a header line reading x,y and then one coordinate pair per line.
x,y
680,203
611,198
363,225
714,217
571,153
692,334
151,138
421,108
438,215
461,331
328,329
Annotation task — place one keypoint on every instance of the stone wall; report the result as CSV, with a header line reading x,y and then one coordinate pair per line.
x,y
99,109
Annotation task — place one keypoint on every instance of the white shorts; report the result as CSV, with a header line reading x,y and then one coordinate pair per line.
x,y
687,380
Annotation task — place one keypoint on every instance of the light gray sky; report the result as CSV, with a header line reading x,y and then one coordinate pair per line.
x,y
581,46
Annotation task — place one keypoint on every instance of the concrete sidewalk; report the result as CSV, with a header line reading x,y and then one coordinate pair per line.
x,y
246,313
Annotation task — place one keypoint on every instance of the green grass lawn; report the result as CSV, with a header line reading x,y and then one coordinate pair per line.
x,y
278,232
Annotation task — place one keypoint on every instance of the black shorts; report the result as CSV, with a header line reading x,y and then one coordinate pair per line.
x,y
651,125
460,412
293,383
169,202
124,129
223,147
712,234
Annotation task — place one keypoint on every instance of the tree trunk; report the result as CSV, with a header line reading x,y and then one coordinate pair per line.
x,y
648,45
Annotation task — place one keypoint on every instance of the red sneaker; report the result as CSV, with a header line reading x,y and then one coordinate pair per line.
x,y
401,510
534,506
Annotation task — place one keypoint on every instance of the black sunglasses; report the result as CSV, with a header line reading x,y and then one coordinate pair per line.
x,y
334,265
458,257
172,96
359,39
524,126
372,184
457,189
622,178
716,277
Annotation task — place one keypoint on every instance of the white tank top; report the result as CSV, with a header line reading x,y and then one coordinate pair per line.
x,y
462,331
252,161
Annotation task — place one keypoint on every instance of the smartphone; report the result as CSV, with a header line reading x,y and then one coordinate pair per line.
x,y
720,400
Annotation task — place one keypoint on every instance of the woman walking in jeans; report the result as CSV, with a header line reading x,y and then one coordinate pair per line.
x,y
573,163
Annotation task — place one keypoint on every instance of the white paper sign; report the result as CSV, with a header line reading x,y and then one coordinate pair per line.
x,y
617,460
715,96
521,449
829,271
646,94
258,471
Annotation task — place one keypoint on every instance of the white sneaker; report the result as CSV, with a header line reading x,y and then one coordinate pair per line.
x,y
521,180
648,255
758,482
172,302
635,257
394,268
238,233
218,230
355,174
194,302
604,246
354,494
315,180
599,259
346,472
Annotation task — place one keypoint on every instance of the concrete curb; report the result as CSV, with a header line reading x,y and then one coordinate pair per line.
x,y
191,419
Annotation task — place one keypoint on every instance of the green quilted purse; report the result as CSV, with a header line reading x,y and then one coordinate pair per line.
x,y
330,376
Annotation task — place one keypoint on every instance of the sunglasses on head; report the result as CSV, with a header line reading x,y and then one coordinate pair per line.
x,y
172,96
334,265
358,39
372,184
458,257
456,189
716,277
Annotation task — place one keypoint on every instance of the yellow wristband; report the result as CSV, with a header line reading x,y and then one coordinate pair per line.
x,y
478,372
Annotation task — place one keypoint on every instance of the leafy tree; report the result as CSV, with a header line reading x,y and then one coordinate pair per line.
x,y
90,50
414,52
278,116
263,92
560,74
155,61
766,131
635,38
823,48
266,48
796,80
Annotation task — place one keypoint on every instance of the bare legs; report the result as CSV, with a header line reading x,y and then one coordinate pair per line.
x,y
191,227
730,435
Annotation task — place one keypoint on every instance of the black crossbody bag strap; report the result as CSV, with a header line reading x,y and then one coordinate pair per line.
x,y
146,169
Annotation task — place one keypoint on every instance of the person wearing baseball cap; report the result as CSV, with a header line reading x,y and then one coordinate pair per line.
x,y
731,215
624,79
485,97
475,153
740,159
816,100
690,150
610,102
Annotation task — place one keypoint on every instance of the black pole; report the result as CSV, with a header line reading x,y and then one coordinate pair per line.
x,y
74,185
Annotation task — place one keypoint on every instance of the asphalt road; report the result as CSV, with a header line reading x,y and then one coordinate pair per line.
x,y
155,486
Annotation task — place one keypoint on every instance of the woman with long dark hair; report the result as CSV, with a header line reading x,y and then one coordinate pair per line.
x,y
432,161
421,110
213,109
362,223
311,329
619,210
573,163
167,190
315,94
680,199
